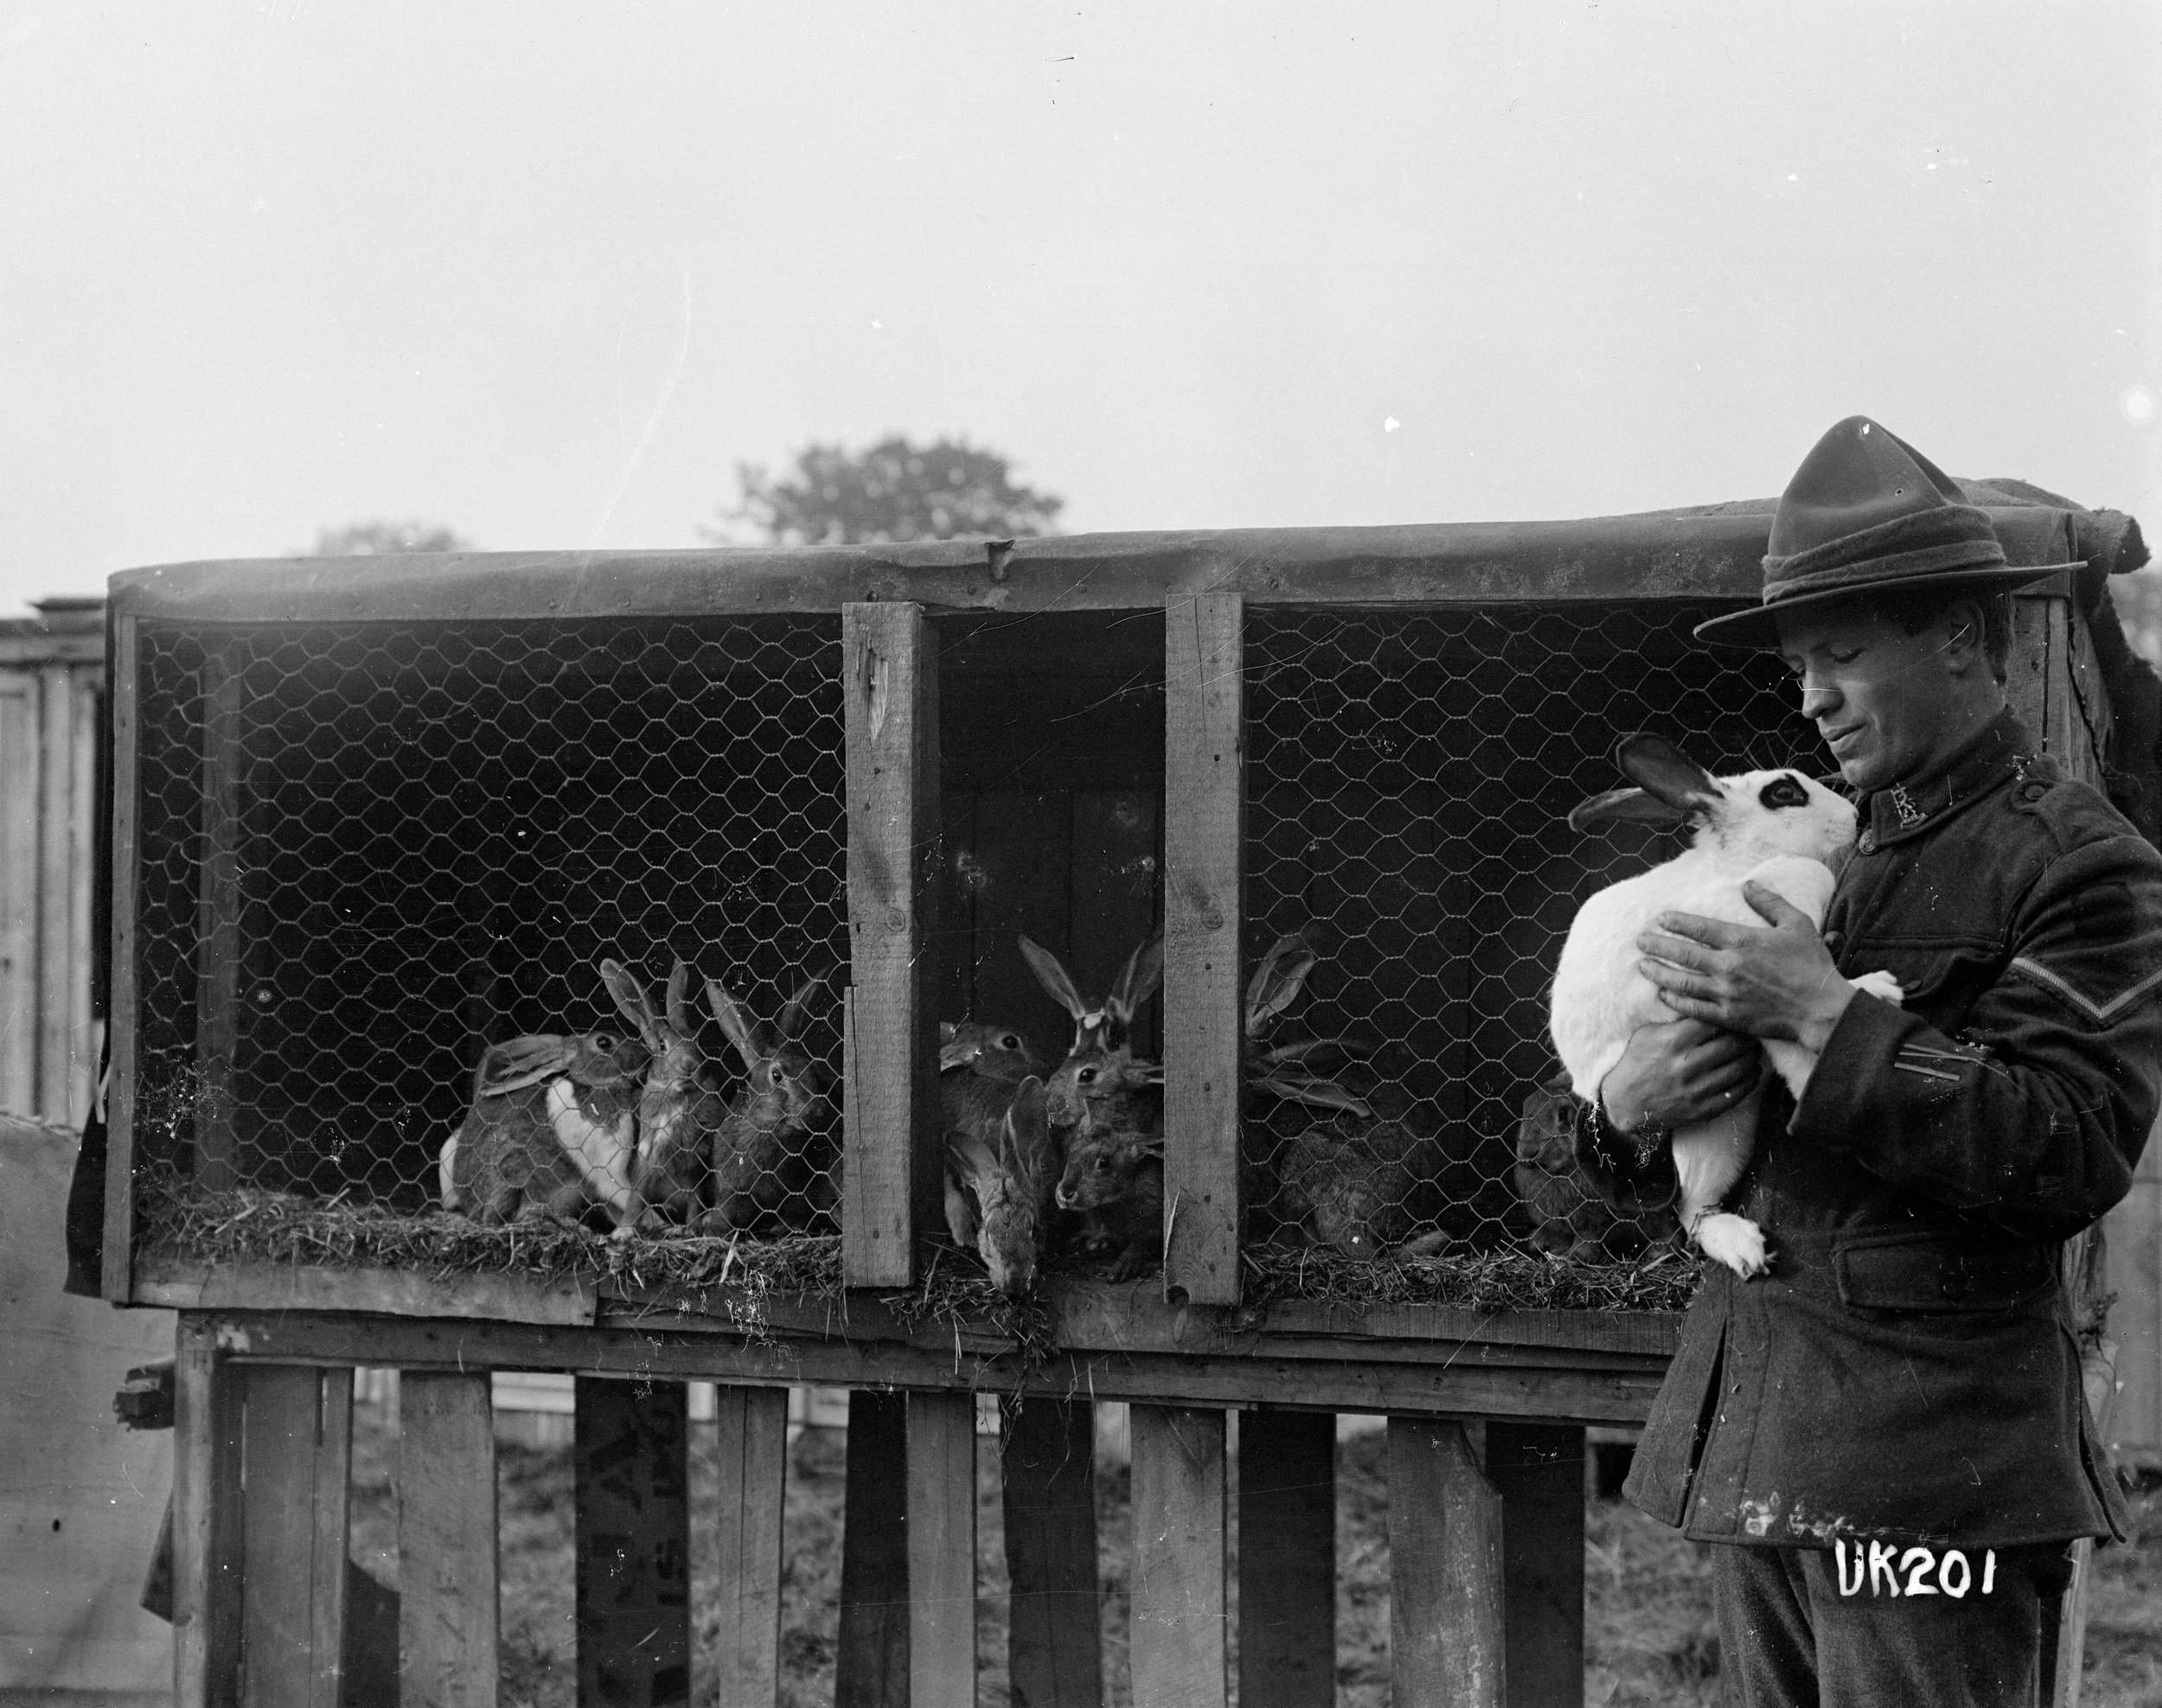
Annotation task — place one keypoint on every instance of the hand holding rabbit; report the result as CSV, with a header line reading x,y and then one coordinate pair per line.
x,y
1679,1071
1776,982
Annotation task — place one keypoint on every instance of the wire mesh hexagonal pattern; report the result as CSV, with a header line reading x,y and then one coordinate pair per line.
x,y
366,852
1410,775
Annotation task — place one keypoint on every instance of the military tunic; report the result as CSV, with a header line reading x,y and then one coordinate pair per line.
x,y
1907,1372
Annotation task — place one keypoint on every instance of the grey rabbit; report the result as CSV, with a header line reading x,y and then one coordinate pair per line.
x,y
533,1097
1007,1189
1101,1079
774,1158
1114,1180
982,1066
678,1107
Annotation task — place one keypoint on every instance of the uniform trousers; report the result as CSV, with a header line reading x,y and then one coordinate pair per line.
x,y
1802,1628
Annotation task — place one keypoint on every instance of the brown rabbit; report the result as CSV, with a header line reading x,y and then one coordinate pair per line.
x,y
509,1159
774,1156
1363,1187
678,1107
980,1065
1567,1214
1100,1079
1114,1181
1010,1185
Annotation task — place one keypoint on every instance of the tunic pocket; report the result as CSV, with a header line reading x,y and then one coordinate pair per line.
x,y
1939,1274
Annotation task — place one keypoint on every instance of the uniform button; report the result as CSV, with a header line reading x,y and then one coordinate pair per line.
x,y
1868,844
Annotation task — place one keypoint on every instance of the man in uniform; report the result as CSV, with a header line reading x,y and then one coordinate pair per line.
x,y
1886,1433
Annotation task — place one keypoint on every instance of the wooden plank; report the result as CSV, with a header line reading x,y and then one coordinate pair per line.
x,y
894,1149
1287,1558
117,1256
298,1445
80,1063
20,756
1445,1570
448,1609
631,1474
1444,1386
941,1547
183,1285
1655,555
1538,1470
57,860
207,1521
871,1668
1180,1557
1205,795
1047,1462
1087,1315
751,1427
217,926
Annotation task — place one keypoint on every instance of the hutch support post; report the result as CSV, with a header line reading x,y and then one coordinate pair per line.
x,y
895,1159
1205,814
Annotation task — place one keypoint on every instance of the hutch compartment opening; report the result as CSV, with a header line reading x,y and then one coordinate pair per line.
x,y
367,851
1409,775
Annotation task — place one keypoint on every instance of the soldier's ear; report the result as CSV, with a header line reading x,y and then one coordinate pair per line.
x,y
1963,649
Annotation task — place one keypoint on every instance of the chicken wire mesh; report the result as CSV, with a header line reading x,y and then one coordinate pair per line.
x,y
1410,777
368,852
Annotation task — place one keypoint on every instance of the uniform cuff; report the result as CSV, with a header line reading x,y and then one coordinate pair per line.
x,y
1834,1110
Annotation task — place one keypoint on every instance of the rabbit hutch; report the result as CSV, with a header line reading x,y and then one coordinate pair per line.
x,y
374,818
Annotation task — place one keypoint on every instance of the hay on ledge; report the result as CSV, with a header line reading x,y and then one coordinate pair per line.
x,y
251,1224
1664,1279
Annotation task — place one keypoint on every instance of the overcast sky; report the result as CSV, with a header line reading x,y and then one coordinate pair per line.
x,y
546,274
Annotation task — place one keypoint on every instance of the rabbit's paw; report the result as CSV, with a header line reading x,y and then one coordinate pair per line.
x,y
1735,1241
1882,985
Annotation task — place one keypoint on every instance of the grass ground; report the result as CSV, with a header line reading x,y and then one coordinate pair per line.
x,y
1648,1632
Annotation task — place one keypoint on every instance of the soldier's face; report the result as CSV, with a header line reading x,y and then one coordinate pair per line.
x,y
1879,697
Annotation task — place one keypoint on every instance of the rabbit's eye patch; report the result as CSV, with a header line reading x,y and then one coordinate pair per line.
x,y
1783,791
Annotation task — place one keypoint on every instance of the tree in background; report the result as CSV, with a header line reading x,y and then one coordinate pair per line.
x,y
892,491
376,539
2138,597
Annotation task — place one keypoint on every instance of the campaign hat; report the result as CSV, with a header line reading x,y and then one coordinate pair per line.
x,y
1866,514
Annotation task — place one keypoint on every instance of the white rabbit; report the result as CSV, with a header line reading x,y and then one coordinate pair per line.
x,y
1773,827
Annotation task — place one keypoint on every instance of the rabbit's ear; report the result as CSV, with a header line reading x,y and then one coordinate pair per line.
x,y
1137,979
973,1159
1054,978
1312,1091
1631,806
623,985
791,1022
1028,1130
1357,1048
521,1062
742,1033
1660,767
1277,980
681,1021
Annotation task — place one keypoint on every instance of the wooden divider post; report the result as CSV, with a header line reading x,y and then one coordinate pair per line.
x,y
207,1540
1204,827
298,1454
1180,1606
632,1491
449,1619
894,1147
